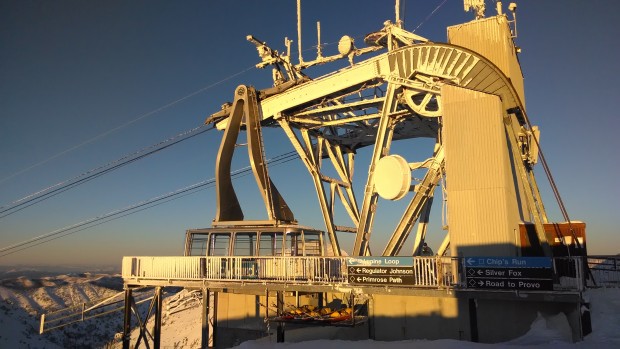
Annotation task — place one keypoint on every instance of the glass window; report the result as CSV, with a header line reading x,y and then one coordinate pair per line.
x,y
270,244
220,244
199,245
294,244
313,244
245,244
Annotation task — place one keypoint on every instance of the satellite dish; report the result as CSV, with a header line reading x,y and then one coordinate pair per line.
x,y
392,177
345,45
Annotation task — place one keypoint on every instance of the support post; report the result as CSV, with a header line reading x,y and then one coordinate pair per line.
x,y
209,318
127,319
280,306
473,320
382,148
158,311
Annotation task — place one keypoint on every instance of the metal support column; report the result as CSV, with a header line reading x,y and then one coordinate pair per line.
x,y
158,311
280,307
473,319
209,318
127,319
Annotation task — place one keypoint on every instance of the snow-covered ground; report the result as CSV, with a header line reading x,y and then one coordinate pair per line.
x,y
23,298
545,333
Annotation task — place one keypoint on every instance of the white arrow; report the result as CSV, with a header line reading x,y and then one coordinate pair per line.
x,y
358,279
358,270
470,261
480,283
479,272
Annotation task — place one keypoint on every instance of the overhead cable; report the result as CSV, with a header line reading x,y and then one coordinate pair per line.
x,y
429,16
63,186
145,115
143,205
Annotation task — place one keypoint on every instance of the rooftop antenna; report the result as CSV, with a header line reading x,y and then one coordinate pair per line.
x,y
399,23
513,9
301,60
319,49
475,5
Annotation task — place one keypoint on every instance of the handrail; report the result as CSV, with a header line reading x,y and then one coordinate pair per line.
x,y
428,272
605,271
315,270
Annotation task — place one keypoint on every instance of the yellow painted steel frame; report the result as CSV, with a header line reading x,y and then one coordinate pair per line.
x,y
409,108
228,208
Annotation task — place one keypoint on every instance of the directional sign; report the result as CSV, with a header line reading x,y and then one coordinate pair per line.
x,y
382,279
381,261
508,262
381,270
511,284
509,273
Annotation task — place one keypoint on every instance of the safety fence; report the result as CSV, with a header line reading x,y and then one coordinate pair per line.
x,y
604,271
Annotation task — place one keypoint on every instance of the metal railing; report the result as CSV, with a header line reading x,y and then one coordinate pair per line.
x,y
88,310
604,271
428,271
568,273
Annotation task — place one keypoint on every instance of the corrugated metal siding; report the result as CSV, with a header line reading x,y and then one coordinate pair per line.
x,y
491,38
483,216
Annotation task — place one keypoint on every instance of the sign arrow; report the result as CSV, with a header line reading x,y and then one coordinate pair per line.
x,y
480,272
470,261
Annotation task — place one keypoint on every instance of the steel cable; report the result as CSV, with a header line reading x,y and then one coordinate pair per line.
x,y
141,206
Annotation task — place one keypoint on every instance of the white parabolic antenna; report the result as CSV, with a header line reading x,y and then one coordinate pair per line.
x,y
392,177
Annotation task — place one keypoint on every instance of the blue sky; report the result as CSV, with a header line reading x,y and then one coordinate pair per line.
x,y
73,70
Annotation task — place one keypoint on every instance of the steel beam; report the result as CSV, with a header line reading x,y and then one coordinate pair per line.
x,y
228,207
381,149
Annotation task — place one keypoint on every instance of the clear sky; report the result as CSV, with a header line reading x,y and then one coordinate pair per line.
x,y
73,70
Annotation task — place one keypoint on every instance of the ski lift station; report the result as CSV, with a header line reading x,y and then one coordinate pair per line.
x,y
501,261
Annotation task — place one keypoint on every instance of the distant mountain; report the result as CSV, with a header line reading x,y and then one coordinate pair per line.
x,y
24,298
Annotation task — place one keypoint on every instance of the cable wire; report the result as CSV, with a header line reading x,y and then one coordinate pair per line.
x,y
143,116
141,206
429,16
89,175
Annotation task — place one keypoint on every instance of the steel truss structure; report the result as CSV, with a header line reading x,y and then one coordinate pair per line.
x,y
392,96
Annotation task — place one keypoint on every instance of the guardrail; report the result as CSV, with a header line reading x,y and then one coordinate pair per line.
x,y
427,272
604,271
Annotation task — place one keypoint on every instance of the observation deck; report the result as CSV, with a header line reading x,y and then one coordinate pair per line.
x,y
433,276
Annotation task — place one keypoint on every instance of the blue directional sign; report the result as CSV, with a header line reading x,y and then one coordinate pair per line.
x,y
508,262
514,273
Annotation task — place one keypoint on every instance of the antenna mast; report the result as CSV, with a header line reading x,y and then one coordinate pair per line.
x,y
301,60
397,10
